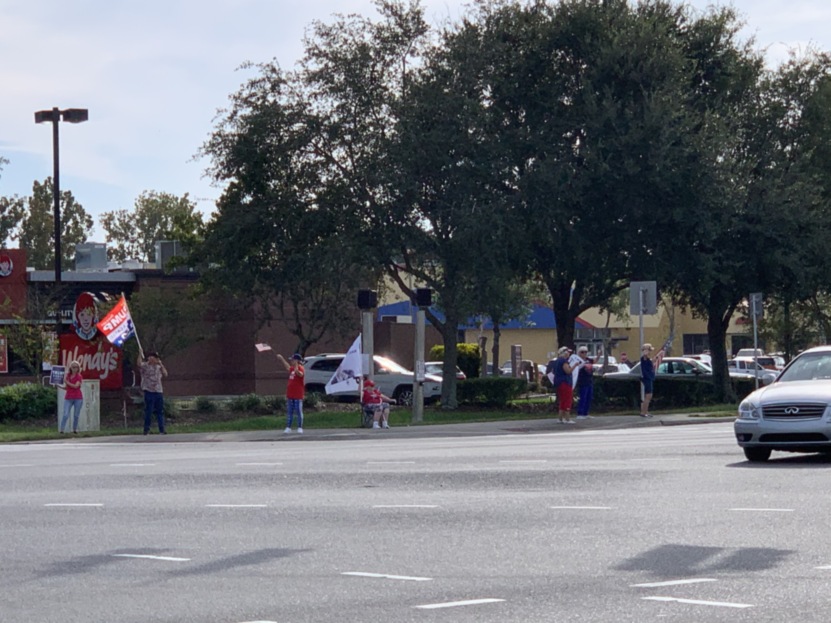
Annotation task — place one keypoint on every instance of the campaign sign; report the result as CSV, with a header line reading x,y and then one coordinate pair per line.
x,y
57,375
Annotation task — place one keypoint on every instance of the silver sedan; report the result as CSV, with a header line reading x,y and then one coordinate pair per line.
x,y
793,414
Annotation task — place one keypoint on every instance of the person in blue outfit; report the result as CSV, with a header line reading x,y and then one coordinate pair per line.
x,y
647,377
585,384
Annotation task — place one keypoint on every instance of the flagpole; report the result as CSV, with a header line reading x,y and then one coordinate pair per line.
x,y
135,330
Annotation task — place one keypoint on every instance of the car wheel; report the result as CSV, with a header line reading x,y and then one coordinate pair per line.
x,y
403,396
757,455
315,388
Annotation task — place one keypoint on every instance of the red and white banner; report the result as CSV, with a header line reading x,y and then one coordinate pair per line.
x,y
117,325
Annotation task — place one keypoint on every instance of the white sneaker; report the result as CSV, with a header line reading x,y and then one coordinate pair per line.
x,y
385,425
288,430
300,430
375,425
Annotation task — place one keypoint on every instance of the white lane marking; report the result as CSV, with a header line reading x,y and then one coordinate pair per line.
x,y
671,583
390,462
236,505
528,461
74,504
581,508
149,557
257,464
823,567
454,604
132,464
696,602
666,459
763,510
405,506
385,576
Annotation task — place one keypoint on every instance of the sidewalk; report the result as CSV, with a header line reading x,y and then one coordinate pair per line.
x,y
510,427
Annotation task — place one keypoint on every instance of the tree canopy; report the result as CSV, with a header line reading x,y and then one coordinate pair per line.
x,y
155,216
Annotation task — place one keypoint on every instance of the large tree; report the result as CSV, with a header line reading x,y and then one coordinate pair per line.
x,y
133,234
36,231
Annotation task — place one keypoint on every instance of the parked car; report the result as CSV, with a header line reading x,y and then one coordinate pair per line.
x,y
702,357
669,366
748,367
489,370
391,378
750,352
792,413
765,361
686,367
436,368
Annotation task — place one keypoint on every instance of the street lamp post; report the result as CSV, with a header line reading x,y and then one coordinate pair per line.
x,y
70,115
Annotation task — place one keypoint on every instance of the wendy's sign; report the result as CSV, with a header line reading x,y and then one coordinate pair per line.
x,y
99,359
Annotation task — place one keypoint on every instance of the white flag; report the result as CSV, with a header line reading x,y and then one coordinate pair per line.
x,y
348,375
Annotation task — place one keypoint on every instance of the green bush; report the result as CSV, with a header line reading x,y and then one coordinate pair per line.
x,y
246,402
25,401
171,410
315,400
205,405
468,359
490,391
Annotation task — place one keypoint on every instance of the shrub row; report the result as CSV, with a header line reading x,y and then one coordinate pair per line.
x,y
26,401
669,393
490,391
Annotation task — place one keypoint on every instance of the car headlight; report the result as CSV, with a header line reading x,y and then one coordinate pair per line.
x,y
749,411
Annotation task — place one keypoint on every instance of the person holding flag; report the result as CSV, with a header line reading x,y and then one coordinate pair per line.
x,y
152,372
295,390
648,366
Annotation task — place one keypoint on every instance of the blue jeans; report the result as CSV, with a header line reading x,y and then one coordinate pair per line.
x,y
68,405
585,403
294,406
153,403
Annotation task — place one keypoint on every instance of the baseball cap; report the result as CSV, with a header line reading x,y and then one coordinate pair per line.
x,y
297,357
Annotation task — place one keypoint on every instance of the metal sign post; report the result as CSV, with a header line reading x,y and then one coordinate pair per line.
x,y
756,310
643,299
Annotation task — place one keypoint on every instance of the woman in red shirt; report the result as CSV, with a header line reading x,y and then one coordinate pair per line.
x,y
74,398
295,391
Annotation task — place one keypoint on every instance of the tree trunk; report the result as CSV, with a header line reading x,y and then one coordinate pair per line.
x,y
717,334
451,351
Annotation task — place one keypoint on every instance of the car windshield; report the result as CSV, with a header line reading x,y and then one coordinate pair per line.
x,y
389,366
808,367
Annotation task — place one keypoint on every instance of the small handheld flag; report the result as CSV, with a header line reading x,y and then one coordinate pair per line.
x,y
262,347
117,325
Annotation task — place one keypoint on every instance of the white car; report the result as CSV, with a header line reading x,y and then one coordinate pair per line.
x,y
793,414
392,379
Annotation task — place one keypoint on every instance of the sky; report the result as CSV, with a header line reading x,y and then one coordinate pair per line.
x,y
154,74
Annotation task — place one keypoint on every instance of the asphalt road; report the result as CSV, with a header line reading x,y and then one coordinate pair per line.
x,y
640,524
